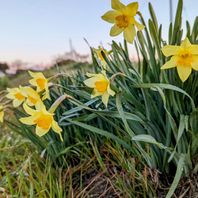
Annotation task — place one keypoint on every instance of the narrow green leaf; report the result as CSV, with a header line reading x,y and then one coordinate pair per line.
x,y
178,22
148,139
166,86
180,169
100,132
153,16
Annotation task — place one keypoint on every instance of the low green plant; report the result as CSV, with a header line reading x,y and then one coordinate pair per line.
x,y
96,171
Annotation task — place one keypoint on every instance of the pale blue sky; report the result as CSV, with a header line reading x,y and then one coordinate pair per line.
x,y
36,30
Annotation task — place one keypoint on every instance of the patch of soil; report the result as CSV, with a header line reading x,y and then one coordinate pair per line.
x,y
187,187
98,184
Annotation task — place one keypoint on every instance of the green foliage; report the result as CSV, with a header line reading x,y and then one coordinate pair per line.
x,y
153,116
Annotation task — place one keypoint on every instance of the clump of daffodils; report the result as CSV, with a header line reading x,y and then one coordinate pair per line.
x,y
29,97
123,18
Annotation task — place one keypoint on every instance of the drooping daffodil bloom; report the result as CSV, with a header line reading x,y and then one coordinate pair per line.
x,y
98,52
41,83
32,97
1,113
123,18
16,95
43,119
101,86
184,57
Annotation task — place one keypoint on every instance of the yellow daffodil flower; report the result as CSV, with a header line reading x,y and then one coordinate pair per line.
x,y
1,113
98,53
40,82
43,120
123,18
32,97
16,95
101,86
184,57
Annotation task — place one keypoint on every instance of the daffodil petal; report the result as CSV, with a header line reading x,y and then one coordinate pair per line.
x,y
133,8
170,64
95,93
29,103
28,120
110,91
8,89
17,103
117,5
24,90
195,63
129,33
32,74
110,16
103,74
36,74
32,96
185,43
46,95
9,96
90,82
194,49
40,132
184,72
12,92
90,74
28,110
170,50
33,82
56,128
115,30
105,98
139,25
40,106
